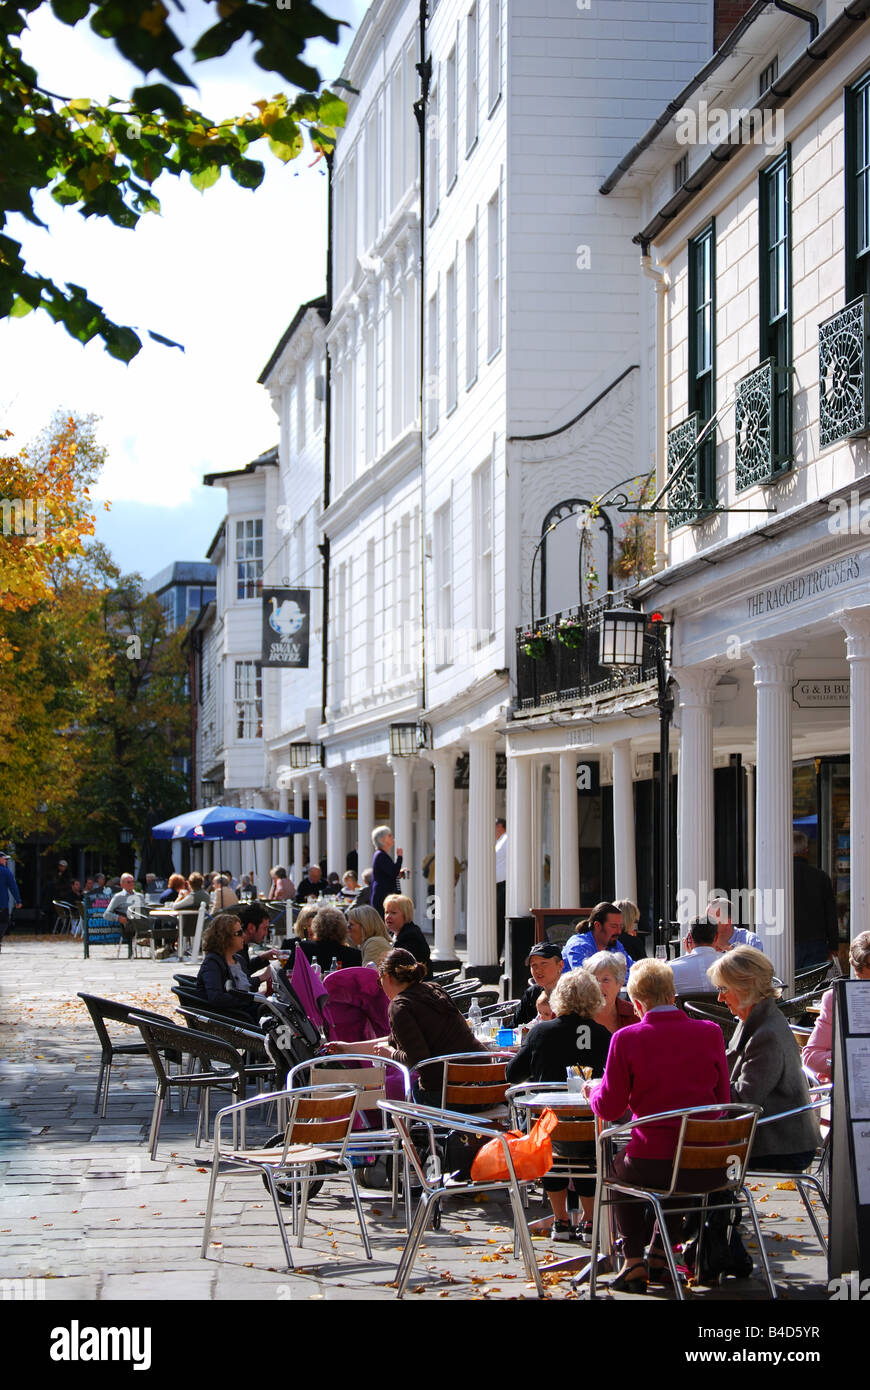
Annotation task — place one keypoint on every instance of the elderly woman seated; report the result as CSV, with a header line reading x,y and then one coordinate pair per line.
x,y
328,941
573,1038
407,936
222,980
368,932
610,971
765,1061
817,1053
667,1061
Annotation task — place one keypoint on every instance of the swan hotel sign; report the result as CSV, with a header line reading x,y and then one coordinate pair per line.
x,y
286,627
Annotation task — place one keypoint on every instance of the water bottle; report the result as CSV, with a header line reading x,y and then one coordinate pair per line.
x,y
475,1017
315,966
333,965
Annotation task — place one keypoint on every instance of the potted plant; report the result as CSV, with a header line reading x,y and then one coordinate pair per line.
x,y
571,633
535,645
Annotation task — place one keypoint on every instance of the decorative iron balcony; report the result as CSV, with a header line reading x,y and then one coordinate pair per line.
x,y
557,659
761,457
687,499
844,374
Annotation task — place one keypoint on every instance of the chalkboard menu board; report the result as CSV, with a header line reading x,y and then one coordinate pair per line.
x,y
849,1242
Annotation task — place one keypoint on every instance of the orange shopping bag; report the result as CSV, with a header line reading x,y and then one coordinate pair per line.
x,y
531,1154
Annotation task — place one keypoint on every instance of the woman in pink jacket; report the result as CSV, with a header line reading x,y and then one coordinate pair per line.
x,y
665,1062
817,1053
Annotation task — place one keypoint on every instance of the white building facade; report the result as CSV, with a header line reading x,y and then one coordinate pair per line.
x,y
761,247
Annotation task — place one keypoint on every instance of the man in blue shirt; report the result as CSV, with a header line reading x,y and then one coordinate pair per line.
x,y
605,924
719,911
8,890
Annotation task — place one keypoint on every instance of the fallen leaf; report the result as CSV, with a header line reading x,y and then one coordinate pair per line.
x,y
786,1187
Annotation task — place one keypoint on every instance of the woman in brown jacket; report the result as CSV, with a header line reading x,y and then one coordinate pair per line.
x,y
424,1022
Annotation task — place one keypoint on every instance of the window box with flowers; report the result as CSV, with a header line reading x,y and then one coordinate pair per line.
x,y
571,633
535,645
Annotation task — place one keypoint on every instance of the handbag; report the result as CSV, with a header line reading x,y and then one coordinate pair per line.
x,y
531,1154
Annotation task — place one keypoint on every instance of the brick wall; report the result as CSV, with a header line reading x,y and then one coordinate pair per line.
x,y
727,13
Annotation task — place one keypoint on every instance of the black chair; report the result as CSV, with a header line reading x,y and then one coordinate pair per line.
x,y
700,996
102,1010
251,1044
795,1008
714,1013
813,979
159,1036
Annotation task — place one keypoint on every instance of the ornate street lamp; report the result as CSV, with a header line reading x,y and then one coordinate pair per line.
x,y
305,754
623,634
406,740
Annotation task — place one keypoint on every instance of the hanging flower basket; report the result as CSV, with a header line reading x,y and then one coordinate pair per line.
x,y
572,635
535,645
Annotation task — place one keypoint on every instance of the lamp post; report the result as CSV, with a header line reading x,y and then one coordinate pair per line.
x,y
623,634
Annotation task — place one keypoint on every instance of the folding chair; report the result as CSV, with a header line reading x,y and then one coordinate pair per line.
x,y
436,1188
318,1130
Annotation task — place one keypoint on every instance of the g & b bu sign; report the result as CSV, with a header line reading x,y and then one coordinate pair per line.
x,y
286,625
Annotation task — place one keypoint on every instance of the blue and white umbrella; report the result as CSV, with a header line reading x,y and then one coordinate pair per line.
x,y
230,823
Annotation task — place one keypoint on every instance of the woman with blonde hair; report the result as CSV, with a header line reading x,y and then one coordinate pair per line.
x,y
628,938
368,933
764,1060
407,936
667,1061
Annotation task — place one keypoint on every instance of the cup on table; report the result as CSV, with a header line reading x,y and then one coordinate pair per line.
x,y
505,1037
574,1079
661,952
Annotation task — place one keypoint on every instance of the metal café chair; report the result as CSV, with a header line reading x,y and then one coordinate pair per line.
x,y
814,1178
809,981
319,1124
716,1138
473,1081
714,1013
435,1187
577,1124
205,1050
370,1075
110,1010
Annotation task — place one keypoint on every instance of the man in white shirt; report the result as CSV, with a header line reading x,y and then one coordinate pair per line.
x,y
500,880
690,971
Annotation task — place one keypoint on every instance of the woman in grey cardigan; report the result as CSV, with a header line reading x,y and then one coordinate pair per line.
x,y
765,1061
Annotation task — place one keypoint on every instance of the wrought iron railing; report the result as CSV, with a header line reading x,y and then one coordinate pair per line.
x,y
844,373
557,659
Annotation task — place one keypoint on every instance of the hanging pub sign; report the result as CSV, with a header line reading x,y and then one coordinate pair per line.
x,y
286,626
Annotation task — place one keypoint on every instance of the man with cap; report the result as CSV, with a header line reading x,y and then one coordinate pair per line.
x,y
9,892
545,966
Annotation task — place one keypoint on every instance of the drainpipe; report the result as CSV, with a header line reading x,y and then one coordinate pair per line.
x,y
662,284
424,71
327,447
811,19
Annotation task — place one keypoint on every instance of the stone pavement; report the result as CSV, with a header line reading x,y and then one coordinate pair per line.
x,y
84,1210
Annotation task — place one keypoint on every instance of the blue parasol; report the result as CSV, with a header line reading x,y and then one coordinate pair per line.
x,y
230,823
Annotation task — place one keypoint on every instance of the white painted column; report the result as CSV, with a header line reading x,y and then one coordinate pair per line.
x,y
314,832
444,762
518,888
750,822
695,866
421,789
403,825
774,889
556,836
856,624
624,859
536,821
482,936
569,833
365,813
298,870
336,834
283,852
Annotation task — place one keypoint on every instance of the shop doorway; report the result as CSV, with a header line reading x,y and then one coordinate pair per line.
x,y
822,806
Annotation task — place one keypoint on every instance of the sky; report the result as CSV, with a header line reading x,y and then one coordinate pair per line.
x,y
221,272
